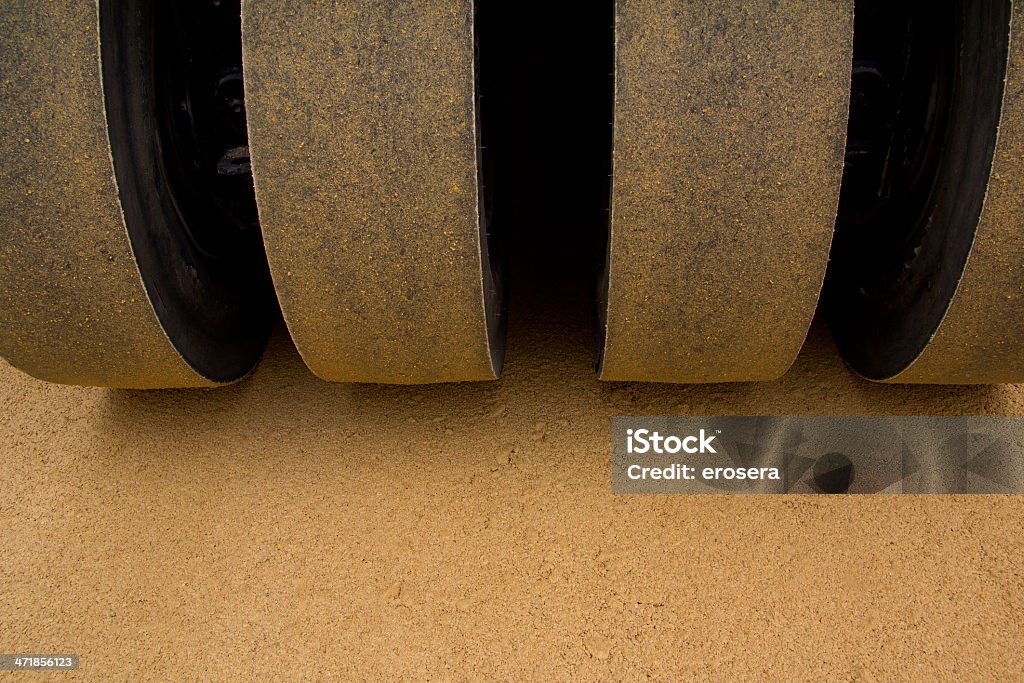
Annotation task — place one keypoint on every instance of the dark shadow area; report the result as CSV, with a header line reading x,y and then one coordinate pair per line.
x,y
927,88
546,121
174,106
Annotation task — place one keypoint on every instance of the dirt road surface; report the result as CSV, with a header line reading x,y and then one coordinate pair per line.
x,y
292,529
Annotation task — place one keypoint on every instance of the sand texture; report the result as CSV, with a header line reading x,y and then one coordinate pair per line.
x,y
292,529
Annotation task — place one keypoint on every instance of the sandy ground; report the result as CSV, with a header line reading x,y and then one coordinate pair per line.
x,y
289,528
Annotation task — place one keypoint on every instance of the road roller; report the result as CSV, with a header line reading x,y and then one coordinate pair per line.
x,y
176,178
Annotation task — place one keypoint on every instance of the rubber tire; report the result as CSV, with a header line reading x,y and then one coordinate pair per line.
x,y
362,127
74,306
729,135
971,312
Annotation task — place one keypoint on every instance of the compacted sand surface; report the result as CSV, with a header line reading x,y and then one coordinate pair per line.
x,y
288,528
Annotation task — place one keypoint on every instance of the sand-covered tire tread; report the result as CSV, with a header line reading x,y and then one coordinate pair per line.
x,y
729,132
953,313
362,126
73,306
